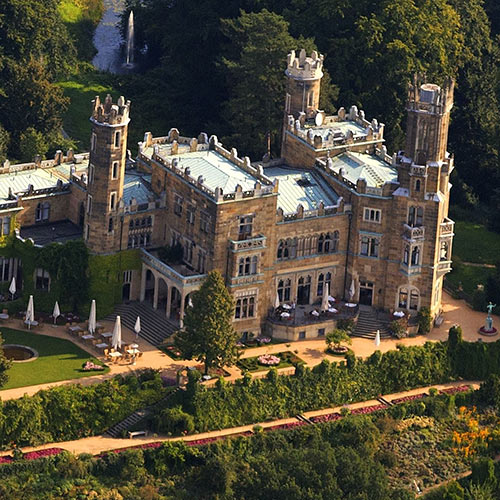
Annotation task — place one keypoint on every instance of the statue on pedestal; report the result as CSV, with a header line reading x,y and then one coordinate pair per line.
x,y
489,320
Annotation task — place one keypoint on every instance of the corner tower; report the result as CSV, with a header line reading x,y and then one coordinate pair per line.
x,y
429,109
108,147
303,84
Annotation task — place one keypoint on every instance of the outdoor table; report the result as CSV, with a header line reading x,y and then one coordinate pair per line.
x,y
115,355
4,316
286,306
285,315
75,329
102,345
399,314
350,304
106,335
134,346
87,337
133,352
31,323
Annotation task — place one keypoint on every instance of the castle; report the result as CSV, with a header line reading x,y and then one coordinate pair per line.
x,y
335,214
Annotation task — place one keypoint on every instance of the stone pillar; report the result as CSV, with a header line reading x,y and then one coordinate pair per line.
x,y
143,283
169,301
155,296
181,311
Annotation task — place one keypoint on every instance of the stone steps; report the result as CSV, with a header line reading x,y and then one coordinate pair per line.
x,y
155,327
368,324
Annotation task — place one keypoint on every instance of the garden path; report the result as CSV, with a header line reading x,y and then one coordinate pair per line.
x,y
311,351
99,444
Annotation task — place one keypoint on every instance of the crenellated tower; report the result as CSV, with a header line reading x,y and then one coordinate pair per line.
x,y
108,147
303,83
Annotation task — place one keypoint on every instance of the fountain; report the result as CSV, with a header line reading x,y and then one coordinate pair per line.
x,y
129,61
488,328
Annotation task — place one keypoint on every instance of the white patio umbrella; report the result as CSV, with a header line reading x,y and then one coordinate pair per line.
x,y
56,313
190,302
277,301
352,290
92,318
137,327
12,287
116,339
324,300
30,312
377,338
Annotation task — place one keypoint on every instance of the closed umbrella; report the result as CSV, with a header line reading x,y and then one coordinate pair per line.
x,y
377,338
352,290
92,318
30,312
324,300
116,339
190,302
277,301
56,313
12,287
137,327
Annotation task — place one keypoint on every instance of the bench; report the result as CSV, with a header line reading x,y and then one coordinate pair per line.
x,y
134,434
438,321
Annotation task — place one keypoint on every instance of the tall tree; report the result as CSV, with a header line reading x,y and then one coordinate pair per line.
x,y
208,333
259,44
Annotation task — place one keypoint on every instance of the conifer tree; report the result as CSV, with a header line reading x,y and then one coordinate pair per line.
x,y
208,333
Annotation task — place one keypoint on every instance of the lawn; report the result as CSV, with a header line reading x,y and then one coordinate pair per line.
x,y
468,276
287,359
474,243
58,360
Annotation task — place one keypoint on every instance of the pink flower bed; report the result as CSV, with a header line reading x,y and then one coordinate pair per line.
x,y
33,455
291,425
329,417
454,390
268,360
405,399
6,460
368,409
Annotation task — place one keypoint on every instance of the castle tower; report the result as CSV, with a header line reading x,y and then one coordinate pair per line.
x,y
108,149
428,109
303,84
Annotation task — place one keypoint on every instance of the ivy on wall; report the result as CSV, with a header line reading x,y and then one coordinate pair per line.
x,y
106,278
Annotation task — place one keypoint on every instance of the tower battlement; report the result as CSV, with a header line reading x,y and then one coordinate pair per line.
x,y
429,97
109,113
305,67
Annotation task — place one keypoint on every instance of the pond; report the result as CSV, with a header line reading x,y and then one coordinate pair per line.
x,y
19,353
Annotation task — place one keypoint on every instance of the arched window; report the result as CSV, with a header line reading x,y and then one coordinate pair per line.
x,y
417,185
117,139
415,216
291,244
247,265
284,288
415,256
279,254
241,267
253,269
335,241
444,251
414,296
420,216
286,250
323,280
403,298
328,243
245,308
406,254
321,242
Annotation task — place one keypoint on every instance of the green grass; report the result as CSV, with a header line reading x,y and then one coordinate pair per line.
x,y
58,360
468,276
81,90
287,358
474,243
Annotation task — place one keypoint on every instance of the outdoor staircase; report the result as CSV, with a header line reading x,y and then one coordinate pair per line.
x,y
155,327
118,429
368,324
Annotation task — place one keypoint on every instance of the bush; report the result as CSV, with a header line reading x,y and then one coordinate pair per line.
x,y
424,319
479,300
174,421
346,325
398,329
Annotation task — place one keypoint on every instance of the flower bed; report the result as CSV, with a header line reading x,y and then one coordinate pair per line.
x,y
405,399
368,409
454,390
90,366
253,364
268,360
291,425
172,351
329,417
33,455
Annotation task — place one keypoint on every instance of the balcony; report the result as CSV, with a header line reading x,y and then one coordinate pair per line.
x,y
446,228
413,233
443,267
246,280
410,270
255,243
179,273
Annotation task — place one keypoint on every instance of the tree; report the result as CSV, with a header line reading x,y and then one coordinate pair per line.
x,y
4,366
32,143
336,337
4,143
208,333
254,68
